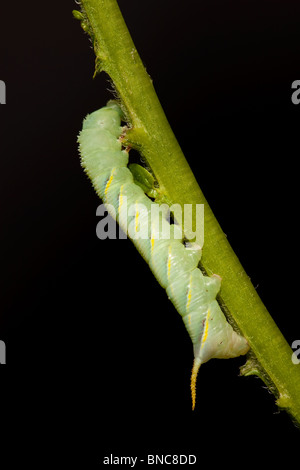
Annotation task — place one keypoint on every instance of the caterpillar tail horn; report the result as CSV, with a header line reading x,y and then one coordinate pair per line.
x,y
195,370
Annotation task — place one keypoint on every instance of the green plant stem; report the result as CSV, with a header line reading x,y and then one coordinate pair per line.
x,y
151,134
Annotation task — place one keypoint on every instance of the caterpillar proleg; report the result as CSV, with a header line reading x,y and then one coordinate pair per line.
x,y
174,263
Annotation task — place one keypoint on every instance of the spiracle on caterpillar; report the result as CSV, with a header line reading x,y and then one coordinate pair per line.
x,y
174,263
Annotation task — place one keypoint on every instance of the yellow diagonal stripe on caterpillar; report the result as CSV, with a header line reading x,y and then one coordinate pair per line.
x,y
205,333
109,182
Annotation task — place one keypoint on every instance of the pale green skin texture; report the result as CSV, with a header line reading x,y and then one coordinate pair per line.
x,y
174,265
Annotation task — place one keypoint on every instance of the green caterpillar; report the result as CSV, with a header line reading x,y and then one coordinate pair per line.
x,y
173,263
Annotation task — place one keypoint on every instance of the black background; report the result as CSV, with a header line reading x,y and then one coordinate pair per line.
x,y
93,344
